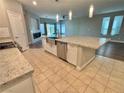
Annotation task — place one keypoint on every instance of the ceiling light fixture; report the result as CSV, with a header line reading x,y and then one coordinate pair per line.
x,y
91,11
70,15
34,3
57,18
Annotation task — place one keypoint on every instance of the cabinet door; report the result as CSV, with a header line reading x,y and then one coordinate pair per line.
x,y
25,86
72,54
43,42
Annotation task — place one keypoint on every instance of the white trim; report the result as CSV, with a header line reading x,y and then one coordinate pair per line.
x,y
116,41
84,65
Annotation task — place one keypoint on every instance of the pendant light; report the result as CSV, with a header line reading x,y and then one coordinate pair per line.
x,y
91,11
70,15
57,18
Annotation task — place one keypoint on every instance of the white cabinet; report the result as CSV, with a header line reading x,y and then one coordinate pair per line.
x,y
72,51
23,86
49,47
43,42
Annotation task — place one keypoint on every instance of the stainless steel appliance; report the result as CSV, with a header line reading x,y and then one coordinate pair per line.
x,y
62,50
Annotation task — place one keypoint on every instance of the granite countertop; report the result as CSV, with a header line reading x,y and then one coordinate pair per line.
x,y
91,42
5,39
13,65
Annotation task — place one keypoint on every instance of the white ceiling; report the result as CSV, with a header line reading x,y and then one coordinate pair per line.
x,y
79,8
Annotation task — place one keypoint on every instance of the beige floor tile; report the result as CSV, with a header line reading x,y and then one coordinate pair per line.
x,y
48,73
105,70
116,86
62,73
119,66
70,90
90,73
104,73
69,68
49,69
61,86
56,69
97,86
44,86
108,90
90,90
43,69
75,73
52,90
79,86
101,79
54,78
117,80
69,78
39,78
117,74
85,78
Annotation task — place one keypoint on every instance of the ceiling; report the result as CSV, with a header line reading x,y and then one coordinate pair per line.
x,y
49,8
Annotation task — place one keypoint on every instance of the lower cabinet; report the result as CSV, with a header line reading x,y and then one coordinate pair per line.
x,y
21,86
72,54
51,48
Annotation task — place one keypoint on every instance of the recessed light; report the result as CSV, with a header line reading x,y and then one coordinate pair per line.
x,y
34,3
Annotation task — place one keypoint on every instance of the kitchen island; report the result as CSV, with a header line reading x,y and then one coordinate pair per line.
x,y
81,50
15,72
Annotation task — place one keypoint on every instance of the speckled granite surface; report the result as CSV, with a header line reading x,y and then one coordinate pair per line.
x,y
91,42
12,65
4,40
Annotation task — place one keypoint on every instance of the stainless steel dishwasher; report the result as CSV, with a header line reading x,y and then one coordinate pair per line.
x,y
62,50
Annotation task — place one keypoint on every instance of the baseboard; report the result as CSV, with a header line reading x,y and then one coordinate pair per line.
x,y
116,41
81,68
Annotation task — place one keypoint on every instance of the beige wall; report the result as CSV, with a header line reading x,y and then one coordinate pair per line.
x,y
11,5
85,26
3,15
29,24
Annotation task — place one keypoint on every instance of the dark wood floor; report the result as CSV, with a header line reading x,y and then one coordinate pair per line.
x,y
112,50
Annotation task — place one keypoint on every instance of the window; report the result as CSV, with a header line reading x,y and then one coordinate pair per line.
x,y
105,25
58,28
42,29
51,30
63,29
117,25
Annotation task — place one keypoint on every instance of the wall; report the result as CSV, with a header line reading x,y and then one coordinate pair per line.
x,y
28,18
46,20
3,15
85,26
11,5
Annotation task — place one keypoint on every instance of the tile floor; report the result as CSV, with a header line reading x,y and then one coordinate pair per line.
x,y
52,75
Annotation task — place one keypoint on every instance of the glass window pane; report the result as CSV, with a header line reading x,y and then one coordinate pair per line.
x,y
117,25
63,29
50,30
42,28
58,28
105,25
